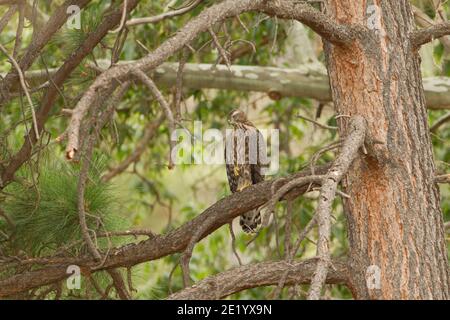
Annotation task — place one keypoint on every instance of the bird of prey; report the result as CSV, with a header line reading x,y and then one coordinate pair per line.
x,y
244,152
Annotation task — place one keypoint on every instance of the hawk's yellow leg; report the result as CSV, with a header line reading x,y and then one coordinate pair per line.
x,y
244,184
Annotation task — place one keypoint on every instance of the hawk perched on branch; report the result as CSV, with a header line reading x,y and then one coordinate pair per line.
x,y
244,151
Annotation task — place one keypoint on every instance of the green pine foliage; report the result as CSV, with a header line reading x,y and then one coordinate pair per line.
x,y
45,214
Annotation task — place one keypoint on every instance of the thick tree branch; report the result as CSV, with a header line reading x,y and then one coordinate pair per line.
x,y
257,275
424,21
445,178
423,36
322,24
222,212
284,82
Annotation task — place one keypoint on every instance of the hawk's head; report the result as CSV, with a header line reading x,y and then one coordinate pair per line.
x,y
237,117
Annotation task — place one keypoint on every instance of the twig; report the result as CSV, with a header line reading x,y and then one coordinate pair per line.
x,y
242,24
138,232
80,203
323,126
24,88
164,105
320,152
186,256
7,16
222,52
439,122
165,15
130,280
179,84
19,31
292,254
119,284
7,218
122,19
233,243
298,182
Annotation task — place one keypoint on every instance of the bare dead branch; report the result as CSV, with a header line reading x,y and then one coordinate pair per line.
x,y
354,140
126,233
257,275
296,82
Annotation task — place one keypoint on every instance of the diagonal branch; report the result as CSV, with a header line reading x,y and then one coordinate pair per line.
x,y
222,212
7,16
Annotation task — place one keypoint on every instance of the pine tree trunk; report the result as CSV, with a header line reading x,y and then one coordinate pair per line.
x,y
395,223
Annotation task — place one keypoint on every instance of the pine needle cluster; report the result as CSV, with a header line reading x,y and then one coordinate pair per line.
x,y
45,212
